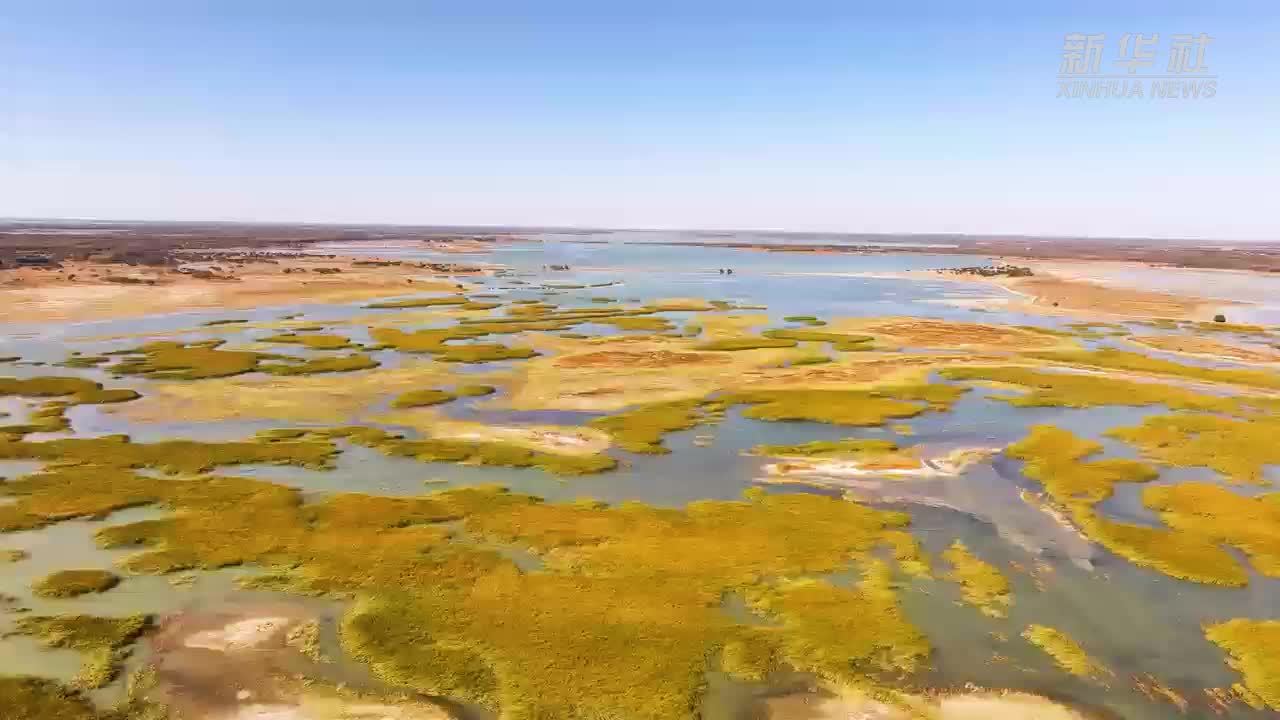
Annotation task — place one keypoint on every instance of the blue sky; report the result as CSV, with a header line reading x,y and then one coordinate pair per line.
x,y
860,117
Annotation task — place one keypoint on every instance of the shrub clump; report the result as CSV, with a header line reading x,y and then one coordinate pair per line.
x,y
423,398
73,583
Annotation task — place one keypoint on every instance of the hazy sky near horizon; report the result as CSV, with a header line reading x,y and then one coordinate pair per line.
x,y
838,116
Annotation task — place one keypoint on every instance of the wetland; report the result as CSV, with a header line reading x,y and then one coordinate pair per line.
x,y
604,479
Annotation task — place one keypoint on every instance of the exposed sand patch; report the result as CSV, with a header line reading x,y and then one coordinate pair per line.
x,y
1093,297
547,438
942,334
235,663
595,375
1071,289
241,635
656,358
331,708
720,326
896,464
43,295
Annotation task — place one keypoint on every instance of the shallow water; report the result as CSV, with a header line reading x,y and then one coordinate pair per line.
x,y
1133,620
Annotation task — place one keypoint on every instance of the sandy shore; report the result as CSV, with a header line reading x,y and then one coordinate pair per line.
x,y
1070,290
79,291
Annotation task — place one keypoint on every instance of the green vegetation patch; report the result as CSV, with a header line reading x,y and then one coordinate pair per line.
x,y
474,390
103,640
1057,460
1254,647
423,398
473,452
1241,328
186,361
171,456
825,628
843,342
345,363
85,361
440,615
197,361
419,302
502,454
314,341
1112,359
434,341
483,352
101,480
216,323
79,390
1240,450
845,407
641,429
1064,650
1064,389
656,324
981,584
1216,515
73,583
48,418
30,698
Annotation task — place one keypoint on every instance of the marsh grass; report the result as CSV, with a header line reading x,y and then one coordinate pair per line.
x,y
313,366
434,341
102,640
1065,651
1239,450
79,390
1057,459
438,615
1077,390
844,342
1112,359
202,360
313,341
170,456
641,429
845,407
1254,649
423,398
1215,514
73,583
30,698
982,585
85,361
186,361
418,302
